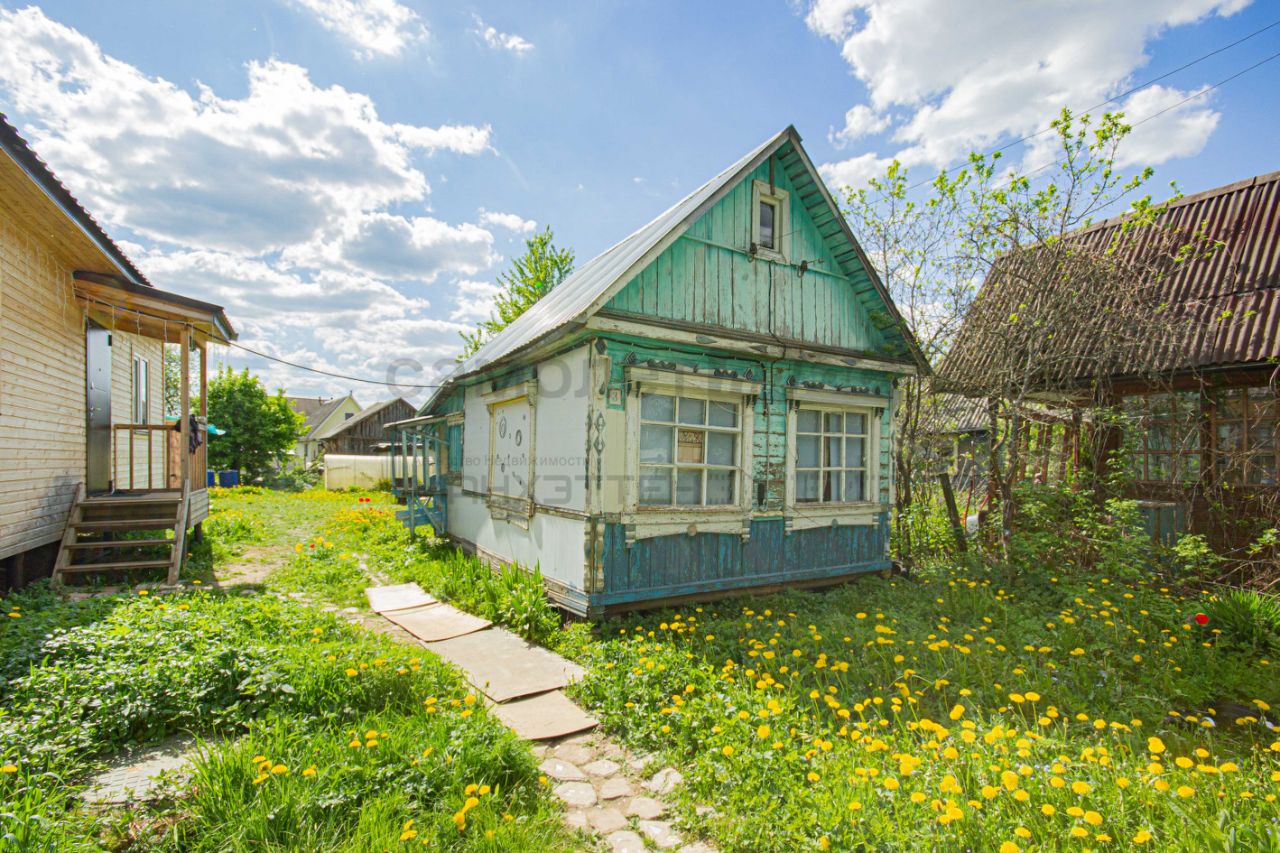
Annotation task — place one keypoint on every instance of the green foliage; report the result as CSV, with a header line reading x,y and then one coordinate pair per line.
x,y
1194,557
291,478
260,428
532,276
1064,530
1248,621
868,714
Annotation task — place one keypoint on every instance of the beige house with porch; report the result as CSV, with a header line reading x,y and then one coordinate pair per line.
x,y
85,451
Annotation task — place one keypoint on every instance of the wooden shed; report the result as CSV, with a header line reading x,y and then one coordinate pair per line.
x,y
85,450
704,408
365,432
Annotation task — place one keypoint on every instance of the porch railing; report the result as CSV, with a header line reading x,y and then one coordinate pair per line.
x,y
148,456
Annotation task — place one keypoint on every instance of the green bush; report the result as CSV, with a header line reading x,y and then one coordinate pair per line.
x,y
1248,621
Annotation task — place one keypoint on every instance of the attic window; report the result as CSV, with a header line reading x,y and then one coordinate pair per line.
x,y
770,221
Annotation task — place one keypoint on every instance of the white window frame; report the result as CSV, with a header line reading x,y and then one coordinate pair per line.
x,y
762,192
800,516
503,507
141,390
645,521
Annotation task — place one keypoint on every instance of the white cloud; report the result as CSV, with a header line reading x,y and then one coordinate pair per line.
x,y
510,221
374,27
277,204
965,76
859,121
500,40
854,172
1181,132
473,300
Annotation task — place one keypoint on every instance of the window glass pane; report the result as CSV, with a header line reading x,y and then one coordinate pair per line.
x,y
767,210
690,445
1231,404
807,420
831,486
835,422
688,487
720,448
1190,467
855,424
1229,436
655,486
807,486
655,443
1263,471
807,451
720,487
1158,467
854,486
1158,436
723,414
832,455
657,407
1262,402
1263,437
854,453
692,411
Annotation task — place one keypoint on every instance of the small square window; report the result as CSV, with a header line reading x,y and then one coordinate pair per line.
x,y
768,216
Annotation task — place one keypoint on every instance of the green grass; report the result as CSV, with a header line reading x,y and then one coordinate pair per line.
x,y
255,676
950,711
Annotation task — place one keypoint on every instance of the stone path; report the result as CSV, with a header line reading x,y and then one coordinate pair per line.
x,y
133,775
607,792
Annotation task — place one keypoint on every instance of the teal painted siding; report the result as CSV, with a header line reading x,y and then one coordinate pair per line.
x,y
769,451
707,277
667,566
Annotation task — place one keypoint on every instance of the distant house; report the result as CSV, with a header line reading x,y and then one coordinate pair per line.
x,y
704,408
1201,425
322,413
364,433
85,450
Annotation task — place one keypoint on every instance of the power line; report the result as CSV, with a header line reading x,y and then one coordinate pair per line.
x,y
1144,85
297,366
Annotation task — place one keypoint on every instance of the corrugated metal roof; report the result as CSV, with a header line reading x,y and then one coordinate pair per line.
x,y
584,291
1228,300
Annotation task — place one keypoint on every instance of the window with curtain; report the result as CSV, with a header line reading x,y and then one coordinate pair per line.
x,y
689,451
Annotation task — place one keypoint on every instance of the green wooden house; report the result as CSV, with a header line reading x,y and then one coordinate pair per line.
x,y
702,409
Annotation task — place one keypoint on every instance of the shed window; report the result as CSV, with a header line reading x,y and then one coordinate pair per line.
x,y
1166,440
1244,435
831,452
689,451
141,395
769,221
768,214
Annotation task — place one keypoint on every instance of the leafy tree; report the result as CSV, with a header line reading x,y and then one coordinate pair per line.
x,y
532,276
260,428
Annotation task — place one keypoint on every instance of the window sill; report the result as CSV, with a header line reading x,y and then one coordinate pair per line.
x,y
649,522
810,516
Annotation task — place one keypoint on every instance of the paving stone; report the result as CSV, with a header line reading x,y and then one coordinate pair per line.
x,y
661,833
541,750
575,753
577,794
132,775
625,841
561,771
640,763
606,819
615,787
664,780
603,768
576,819
646,808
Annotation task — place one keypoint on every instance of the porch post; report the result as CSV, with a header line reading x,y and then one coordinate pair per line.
x,y
184,394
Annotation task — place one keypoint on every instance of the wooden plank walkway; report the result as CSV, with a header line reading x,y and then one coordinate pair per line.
x,y
522,682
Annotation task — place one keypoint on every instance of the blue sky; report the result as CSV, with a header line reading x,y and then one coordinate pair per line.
x,y
349,176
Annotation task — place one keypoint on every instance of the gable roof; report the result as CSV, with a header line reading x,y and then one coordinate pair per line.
x,y
316,410
362,415
590,286
1229,298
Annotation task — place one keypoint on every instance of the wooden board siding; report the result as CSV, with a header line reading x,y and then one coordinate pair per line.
x,y
42,415
673,566
708,278
363,435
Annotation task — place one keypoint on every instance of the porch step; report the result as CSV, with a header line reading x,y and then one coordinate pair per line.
x,y
113,524
92,520
116,567
117,543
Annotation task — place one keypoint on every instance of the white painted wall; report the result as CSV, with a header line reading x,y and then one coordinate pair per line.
x,y
552,543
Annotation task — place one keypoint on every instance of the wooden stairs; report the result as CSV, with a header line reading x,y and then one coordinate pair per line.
x,y
124,532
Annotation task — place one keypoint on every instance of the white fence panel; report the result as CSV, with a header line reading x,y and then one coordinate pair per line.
x,y
345,472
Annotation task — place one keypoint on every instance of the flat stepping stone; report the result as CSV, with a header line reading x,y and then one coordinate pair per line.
x,y
576,794
131,777
404,596
625,841
502,665
550,715
615,788
437,622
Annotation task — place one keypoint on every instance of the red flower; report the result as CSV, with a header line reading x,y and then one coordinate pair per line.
x,y
1201,618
